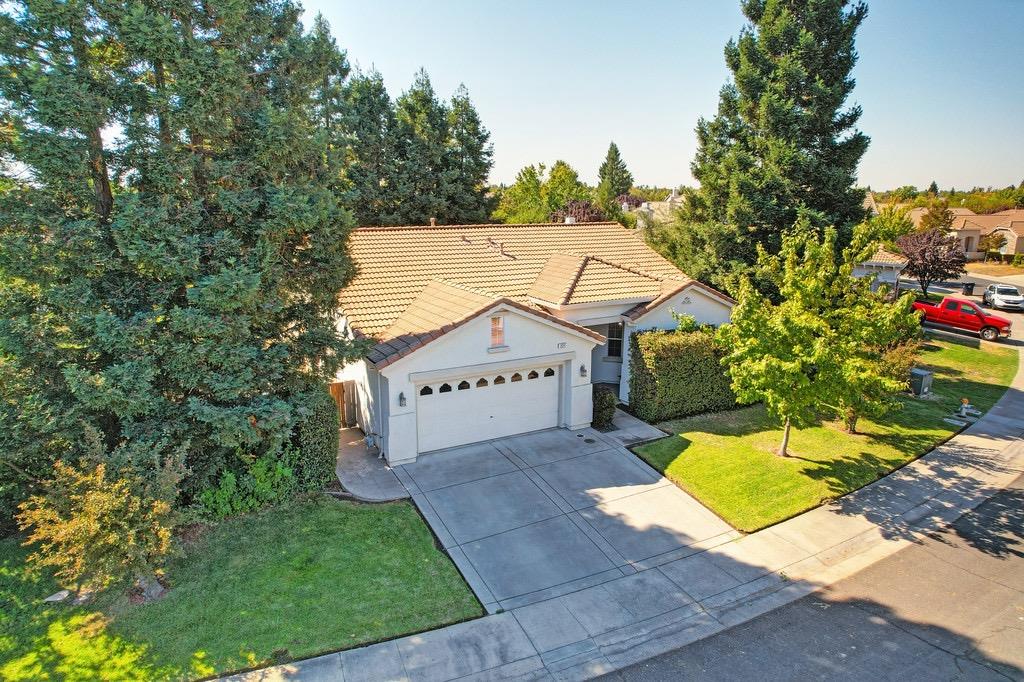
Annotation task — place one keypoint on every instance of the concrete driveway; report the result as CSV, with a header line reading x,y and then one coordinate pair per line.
x,y
536,516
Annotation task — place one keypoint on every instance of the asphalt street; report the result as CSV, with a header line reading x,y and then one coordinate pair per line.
x,y
950,607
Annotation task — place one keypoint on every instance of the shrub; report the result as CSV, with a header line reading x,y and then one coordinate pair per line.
x,y
269,479
316,439
605,402
676,374
97,527
899,360
1018,260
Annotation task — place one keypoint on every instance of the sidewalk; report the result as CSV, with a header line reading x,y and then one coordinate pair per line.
x,y
609,626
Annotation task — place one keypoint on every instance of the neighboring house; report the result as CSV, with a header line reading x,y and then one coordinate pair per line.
x,y
969,227
885,265
870,205
660,211
485,331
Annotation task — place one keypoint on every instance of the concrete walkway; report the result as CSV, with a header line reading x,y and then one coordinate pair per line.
x,y
629,430
946,608
607,627
362,473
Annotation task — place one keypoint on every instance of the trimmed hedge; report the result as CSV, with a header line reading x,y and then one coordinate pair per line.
x,y
316,437
605,401
676,374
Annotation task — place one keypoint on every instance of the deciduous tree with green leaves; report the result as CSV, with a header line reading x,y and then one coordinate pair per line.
x,y
819,349
783,142
937,217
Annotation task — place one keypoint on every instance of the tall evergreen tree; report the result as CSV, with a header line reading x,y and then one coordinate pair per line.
x,y
423,173
933,189
613,171
371,140
782,144
613,179
175,291
468,160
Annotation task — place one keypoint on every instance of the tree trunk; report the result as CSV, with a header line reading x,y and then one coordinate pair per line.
x,y
104,203
784,447
851,421
161,106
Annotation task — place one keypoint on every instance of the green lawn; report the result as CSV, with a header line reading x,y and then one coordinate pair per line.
x,y
726,460
288,583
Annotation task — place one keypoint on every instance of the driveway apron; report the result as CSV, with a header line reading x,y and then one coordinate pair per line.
x,y
540,515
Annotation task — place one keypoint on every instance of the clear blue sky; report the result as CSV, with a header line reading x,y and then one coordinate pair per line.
x,y
940,81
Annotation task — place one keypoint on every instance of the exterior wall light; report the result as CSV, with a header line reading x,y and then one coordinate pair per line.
x,y
401,400
583,370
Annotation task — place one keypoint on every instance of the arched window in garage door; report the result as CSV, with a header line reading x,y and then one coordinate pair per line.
x,y
445,388
533,374
481,382
549,372
517,377
463,385
426,390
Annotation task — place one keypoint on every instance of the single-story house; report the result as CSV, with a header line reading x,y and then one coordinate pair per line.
x,y
485,331
885,265
969,227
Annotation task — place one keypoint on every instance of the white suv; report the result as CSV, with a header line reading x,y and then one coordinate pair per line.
x,y
1004,297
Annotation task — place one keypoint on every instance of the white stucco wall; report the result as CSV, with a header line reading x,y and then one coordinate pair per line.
x,y
465,351
884,274
368,385
704,307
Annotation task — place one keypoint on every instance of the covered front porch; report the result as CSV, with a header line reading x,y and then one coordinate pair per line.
x,y
606,360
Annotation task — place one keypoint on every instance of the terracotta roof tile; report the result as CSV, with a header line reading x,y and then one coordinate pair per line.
x,y
884,257
394,264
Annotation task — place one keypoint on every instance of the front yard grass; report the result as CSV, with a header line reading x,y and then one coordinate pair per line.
x,y
292,582
993,268
727,460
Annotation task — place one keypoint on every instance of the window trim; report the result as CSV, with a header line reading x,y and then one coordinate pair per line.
x,y
621,329
497,338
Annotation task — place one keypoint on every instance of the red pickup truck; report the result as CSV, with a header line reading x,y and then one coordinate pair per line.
x,y
962,314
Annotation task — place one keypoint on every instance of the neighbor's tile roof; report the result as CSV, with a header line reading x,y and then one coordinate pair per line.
x,y
884,257
395,264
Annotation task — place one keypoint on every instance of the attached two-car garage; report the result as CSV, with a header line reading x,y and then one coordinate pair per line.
x,y
468,408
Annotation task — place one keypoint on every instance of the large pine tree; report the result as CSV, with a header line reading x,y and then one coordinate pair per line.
x,y
423,174
613,179
783,143
371,138
468,162
173,287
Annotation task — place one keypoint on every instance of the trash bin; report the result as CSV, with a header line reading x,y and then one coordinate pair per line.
x,y
968,288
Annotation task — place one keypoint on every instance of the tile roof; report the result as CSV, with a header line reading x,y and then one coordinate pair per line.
x,y
884,257
395,264
669,290
567,279
441,307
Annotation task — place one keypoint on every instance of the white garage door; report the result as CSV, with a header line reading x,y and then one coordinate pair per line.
x,y
472,409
